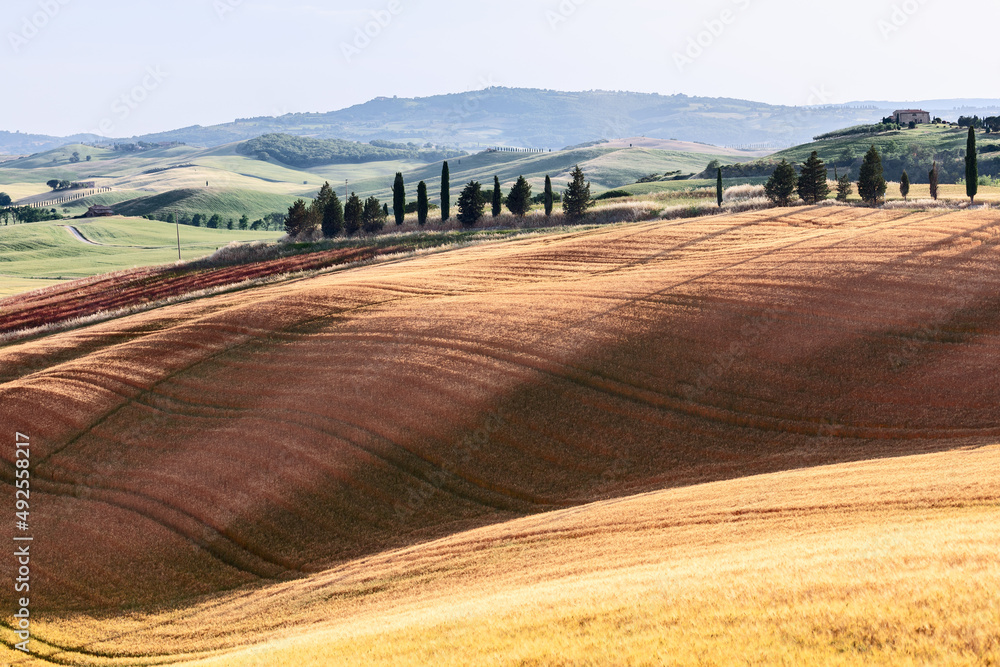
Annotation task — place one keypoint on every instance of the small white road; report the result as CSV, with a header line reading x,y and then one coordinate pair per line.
x,y
80,237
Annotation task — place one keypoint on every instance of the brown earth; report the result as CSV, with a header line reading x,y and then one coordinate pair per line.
x,y
279,431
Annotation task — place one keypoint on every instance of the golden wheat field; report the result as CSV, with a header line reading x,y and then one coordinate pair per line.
x,y
759,438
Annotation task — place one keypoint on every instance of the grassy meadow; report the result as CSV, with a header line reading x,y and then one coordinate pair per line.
x,y
47,250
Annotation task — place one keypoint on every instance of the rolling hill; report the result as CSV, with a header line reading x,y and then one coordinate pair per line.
x,y
183,179
881,562
306,440
913,150
532,118
43,253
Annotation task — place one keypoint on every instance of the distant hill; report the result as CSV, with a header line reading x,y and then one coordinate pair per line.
x,y
17,143
304,152
532,118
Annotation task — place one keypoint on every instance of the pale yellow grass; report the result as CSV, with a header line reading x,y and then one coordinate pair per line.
x,y
196,177
891,561
21,190
949,192
11,285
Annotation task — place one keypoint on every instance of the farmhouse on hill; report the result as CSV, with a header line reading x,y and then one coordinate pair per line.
x,y
906,116
98,212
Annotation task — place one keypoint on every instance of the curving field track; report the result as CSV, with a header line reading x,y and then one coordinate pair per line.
x,y
279,432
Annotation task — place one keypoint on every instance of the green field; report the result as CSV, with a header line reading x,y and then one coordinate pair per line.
x,y
184,179
48,251
230,204
913,150
605,168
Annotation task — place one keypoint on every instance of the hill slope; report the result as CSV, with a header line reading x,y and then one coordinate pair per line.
x,y
881,562
913,150
277,432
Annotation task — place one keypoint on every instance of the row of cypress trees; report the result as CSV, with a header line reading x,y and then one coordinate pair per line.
x,y
812,187
328,213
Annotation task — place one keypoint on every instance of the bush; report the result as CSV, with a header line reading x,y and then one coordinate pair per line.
x,y
613,194
742,193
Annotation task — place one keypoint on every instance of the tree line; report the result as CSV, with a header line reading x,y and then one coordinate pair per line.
x,y
332,217
810,183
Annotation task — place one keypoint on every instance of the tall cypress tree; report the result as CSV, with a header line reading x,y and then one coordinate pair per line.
x,y
871,179
718,188
497,197
933,179
333,216
422,204
445,192
904,184
548,196
971,166
352,214
399,199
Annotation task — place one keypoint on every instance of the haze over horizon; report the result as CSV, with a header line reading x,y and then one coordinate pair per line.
x,y
122,70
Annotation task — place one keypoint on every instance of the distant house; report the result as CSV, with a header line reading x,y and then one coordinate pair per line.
x,y
907,116
99,212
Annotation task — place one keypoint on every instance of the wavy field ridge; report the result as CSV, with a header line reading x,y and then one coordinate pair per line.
x,y
279,432
878,562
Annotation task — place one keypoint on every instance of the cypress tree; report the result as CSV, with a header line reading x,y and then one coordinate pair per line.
x,y
812,185
398,199
718,188
445,192
373,215
352,214
548,196
871,180
519,199
470,204
904,184
576,199
333,217
317,210
780,187
971,166
933,178
497,197
422,204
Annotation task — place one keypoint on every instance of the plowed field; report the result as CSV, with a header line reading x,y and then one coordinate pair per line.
x,y
281,432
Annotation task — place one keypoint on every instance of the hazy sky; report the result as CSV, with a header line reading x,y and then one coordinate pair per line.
x,y
137,66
